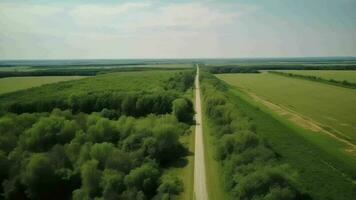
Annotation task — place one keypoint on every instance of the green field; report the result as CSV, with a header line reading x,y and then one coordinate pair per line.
x,y
19,83
321,174
325,170
338,75
332,108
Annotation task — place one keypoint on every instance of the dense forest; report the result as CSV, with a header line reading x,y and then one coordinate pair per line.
x,y
251,170
105,137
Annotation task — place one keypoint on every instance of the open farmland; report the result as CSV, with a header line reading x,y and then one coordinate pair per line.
x,y
318,158
330,107
19,83
338,75
323,114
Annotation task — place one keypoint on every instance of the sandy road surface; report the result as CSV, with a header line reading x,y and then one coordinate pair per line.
x,y
199,162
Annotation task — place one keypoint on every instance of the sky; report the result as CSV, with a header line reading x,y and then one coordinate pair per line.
x,y
107,29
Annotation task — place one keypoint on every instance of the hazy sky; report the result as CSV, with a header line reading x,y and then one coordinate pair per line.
x,y
176,29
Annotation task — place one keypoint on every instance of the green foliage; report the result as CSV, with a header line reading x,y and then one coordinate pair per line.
x,y
144,178
183,110
39,177
169,187
126,93
119,153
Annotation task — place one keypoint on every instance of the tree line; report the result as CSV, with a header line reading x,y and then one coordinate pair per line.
x,y
75,71
343,83
251,170
256,68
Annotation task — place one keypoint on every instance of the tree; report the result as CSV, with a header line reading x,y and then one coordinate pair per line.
x,y
170,186
183,110
91,176
112,183
168,146
39,177
102,152
144,178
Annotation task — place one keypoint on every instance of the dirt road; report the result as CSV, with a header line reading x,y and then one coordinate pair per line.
x,y
199,162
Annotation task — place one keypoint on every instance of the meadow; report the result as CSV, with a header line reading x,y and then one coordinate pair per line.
x,y
338,75
19,83
123,135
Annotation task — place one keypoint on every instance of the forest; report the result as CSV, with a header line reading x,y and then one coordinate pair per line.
x,y
100,143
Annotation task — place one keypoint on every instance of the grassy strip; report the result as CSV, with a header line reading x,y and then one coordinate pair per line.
x,y
318,177
343,83
187,173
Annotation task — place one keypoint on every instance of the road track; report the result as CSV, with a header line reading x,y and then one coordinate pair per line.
x,y
199,161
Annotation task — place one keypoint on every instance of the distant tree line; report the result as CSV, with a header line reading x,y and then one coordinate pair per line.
x,y
256,68
47,71
251,170
343,83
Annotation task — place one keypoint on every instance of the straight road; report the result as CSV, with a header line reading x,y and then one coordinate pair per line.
x,y
199,162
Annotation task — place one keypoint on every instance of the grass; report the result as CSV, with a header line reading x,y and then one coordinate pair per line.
x,y
332,107
338,75
320,174
19,83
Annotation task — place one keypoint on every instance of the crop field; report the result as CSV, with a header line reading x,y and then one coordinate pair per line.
x,y
330,107
19,83
338,75
317,157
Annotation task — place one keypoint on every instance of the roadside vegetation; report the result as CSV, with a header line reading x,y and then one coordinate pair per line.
x,y
250,169
113,136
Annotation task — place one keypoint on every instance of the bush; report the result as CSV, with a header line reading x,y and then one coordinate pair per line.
x,y
183,110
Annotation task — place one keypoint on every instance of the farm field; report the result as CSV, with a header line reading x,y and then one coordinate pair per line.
x,y
19,83
317,158
338,75
330,107
303,105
